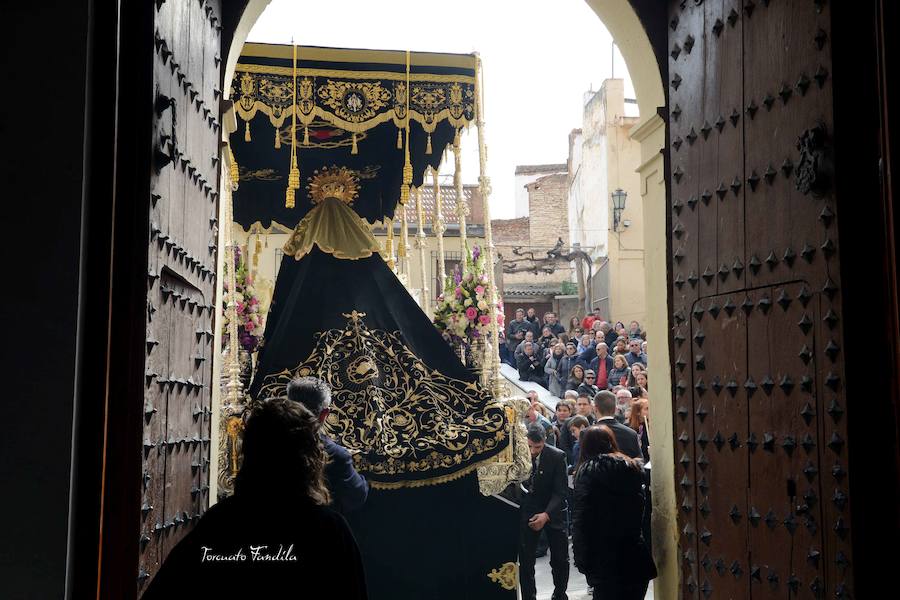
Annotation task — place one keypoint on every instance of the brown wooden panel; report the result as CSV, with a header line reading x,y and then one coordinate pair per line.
x,y
720,423
756,301
181,267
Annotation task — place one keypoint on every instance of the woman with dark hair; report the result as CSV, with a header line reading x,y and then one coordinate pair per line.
x,y
607,542
576,377
276,532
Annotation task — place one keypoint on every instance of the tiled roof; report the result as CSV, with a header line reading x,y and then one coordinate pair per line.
x,y
538,169
532,289
448,204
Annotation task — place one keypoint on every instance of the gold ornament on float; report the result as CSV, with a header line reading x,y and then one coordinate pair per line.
x,y
335,182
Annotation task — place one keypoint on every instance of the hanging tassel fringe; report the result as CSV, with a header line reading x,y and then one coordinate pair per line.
x,y
277,140
428,145
354,149
247,132
289,198
306,136
399,139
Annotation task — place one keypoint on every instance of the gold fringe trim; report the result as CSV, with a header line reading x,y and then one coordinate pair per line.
x,y
306,136
277,139
247,137
428,145
378,485
399,139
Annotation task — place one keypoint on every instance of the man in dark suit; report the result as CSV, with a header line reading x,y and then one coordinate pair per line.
x,y
544,508
348,488
626,437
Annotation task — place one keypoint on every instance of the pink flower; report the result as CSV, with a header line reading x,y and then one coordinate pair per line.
x,y
248,326
471,313
500,318
479,289
484,319
458,292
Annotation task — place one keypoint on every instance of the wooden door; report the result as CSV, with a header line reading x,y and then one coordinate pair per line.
x,y
760,413
181,276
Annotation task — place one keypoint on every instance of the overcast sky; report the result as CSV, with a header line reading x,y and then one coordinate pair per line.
x,y
539,57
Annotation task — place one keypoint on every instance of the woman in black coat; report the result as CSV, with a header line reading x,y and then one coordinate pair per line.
x,y
607,542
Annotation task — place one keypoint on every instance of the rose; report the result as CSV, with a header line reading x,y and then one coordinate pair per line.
x,y
479,289
482,305
484,319
500,319
471,313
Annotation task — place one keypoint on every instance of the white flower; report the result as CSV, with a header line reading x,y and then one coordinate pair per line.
x,y
482,305
468,302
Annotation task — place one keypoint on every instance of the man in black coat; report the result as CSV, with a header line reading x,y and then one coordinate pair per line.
x,y
543,507
348,488
530,366
626,437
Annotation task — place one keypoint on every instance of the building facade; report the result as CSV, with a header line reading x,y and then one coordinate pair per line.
x,y
603,158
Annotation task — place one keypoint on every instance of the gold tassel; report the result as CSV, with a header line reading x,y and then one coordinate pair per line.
x,y
294,176
277,139
354,149
257,251
399,139
428,145
289,198
247,131
456,138
233,170
306,136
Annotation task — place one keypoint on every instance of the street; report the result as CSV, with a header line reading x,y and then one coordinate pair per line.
x,y
577,585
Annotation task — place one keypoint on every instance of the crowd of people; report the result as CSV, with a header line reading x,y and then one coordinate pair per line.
x,y
599,436
592,355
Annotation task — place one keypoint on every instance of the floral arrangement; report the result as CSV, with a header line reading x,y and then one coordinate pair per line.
x,y
250,319
463,309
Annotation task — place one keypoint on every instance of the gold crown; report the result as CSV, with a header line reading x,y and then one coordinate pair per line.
x,y
335,182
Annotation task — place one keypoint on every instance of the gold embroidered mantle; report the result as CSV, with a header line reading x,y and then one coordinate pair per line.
x,y
406,424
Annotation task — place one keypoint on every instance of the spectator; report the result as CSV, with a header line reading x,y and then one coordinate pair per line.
x,y
626,438
644,347
515,331
544,508
634,330
588,388
569,360
589,320
640,412
551,321
564,411
640,382
634,353
553,371
609,333
621,346
577,424
546,337
619,373
532,318
584,342
574,324
624,400
348,489
505,354
536,414
279,508
608,544
529,337
636,367
529,366
583,407
576,377
602,365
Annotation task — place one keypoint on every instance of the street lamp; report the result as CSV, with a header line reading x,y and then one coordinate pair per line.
x,y
618,199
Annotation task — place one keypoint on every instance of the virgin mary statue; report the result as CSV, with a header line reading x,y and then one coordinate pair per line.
x,y
414,418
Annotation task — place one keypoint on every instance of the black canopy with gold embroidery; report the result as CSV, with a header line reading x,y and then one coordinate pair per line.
x,y
352,110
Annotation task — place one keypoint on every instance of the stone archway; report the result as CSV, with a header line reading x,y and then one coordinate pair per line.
x,y
623,22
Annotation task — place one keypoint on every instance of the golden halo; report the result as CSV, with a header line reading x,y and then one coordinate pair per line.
x,y
335,182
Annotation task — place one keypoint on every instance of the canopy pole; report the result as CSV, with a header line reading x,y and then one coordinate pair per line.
x,y
461,207
438,226
389,246
492,360
420,244
294,174
403,249
234,387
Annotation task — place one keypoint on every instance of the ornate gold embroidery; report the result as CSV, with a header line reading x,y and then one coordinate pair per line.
x,y
408,425
354,101
507,576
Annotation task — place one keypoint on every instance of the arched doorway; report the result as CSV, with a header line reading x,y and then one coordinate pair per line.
x,y
625,21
